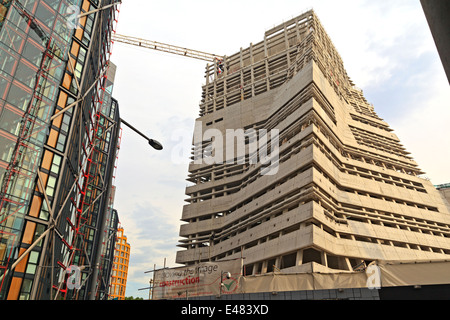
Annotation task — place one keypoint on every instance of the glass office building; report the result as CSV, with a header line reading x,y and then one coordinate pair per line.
x,y
59,129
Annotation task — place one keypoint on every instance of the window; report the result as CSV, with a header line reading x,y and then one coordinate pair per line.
x,y
56,165
5,83
44,214
60,145
10,120
65,123
311,255
288,260
88,30
33,52
45,14
19,95
26,289
51,185
32,262
271,265
40,228
6,148
7,60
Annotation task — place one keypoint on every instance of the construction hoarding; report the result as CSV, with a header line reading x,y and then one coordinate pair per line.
x,y
203,279
374,276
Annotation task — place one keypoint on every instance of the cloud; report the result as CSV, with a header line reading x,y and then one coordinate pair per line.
x,y
151,236
374,37
424,126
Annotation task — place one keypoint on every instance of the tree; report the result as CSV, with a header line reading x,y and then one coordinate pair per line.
x,y
133,298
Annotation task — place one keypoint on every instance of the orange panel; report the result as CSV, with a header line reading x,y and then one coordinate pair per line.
x,y
75,48
44,180
79,34
67,80
35,206
83,21
23,263
71,64
57,122
14,289
62,100
28,235
52,138
47,160
86,5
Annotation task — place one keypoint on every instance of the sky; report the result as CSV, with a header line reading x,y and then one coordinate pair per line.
x,y
387,49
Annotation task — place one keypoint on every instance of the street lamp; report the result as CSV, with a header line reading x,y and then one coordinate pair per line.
x,y
155,144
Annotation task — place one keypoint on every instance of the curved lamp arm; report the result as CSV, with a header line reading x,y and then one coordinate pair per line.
x,y
155,144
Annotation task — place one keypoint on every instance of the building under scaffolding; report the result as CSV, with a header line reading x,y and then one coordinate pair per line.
x,y
59,132
344,193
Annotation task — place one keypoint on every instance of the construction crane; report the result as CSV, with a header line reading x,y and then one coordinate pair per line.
x,y
154,45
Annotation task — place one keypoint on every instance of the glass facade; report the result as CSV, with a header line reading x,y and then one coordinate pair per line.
x,y
54,169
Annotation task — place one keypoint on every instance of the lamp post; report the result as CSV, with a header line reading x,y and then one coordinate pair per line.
x,y
155,144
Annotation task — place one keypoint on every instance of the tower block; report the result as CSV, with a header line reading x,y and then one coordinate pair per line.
x,y
342,190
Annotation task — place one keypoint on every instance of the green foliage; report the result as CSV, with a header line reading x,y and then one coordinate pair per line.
x,y
133,298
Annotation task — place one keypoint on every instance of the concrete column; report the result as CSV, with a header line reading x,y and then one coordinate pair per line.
x,y
266,60
348,264
324,259
252,74
299,258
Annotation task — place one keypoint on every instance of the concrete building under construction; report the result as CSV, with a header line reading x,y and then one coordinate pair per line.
x,y
345,191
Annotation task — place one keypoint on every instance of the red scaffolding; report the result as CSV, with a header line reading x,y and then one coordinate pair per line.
x,y
91,184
